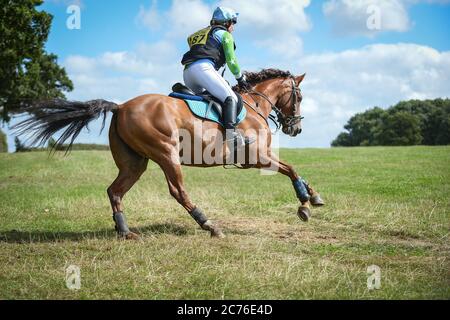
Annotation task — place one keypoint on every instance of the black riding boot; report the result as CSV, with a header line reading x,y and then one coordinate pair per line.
x,y
229,122
233,138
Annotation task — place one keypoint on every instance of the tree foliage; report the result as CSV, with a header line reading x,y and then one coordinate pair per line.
x,y
410,122
27,72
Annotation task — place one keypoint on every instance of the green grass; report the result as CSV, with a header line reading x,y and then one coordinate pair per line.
x,y
385,206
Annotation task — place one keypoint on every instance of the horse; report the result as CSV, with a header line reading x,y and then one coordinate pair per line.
x,y
148,128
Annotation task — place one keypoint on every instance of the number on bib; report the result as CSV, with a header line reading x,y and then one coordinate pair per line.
x,y
199,37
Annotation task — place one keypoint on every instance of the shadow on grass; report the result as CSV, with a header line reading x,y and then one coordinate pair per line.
x,y
16,236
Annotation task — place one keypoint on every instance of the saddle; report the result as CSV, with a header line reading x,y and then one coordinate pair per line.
x,y
180,91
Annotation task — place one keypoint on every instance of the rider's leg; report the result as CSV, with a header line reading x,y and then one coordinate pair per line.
x,y
203,75
229,122
189,78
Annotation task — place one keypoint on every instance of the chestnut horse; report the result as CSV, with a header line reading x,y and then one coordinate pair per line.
x,y
149,126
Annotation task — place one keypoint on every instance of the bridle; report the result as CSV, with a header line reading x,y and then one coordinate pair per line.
x,y
281,119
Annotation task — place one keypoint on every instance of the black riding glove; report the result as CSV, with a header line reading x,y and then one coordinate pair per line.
x,y
242,82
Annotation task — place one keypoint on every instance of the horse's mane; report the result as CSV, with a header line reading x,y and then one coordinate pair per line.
x,y
254,78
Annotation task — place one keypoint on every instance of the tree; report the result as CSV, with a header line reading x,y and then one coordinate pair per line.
x,y
342,140
443,136
407,123
362,127
433,116
27,72
3,142
399,129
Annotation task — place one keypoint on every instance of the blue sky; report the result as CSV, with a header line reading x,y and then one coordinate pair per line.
x,y
101,19
128,48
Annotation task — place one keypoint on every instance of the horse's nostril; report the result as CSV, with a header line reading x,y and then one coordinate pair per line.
x,y
300,130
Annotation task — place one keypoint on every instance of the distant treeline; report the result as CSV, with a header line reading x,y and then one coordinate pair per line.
x,y
20,147
410,122
3,142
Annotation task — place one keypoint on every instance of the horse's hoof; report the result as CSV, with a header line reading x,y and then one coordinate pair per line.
x,y
316,200
132,236
304,213
217,233
128,236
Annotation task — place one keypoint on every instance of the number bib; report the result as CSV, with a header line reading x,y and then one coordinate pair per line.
x,y
199,37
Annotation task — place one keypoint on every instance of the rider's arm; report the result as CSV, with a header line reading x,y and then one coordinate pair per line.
x,y
230,56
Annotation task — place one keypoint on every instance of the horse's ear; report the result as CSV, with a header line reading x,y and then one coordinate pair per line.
x,y
299,79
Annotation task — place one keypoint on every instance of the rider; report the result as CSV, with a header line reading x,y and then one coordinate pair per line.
x,y
210,49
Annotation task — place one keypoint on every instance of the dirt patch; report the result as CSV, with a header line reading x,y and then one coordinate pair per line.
x,y
275,229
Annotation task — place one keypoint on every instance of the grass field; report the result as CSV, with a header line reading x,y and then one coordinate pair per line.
x,y
388,207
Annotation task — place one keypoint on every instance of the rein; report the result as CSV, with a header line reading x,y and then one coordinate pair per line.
x,y
271,116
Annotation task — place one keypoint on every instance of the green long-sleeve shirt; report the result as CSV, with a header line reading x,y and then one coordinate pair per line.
x,y
230,56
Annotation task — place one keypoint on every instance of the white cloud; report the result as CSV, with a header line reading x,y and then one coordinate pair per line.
x,y
349,17
120,76
266,25
339,84
81,64
182,18
273,18
149,18
187,16
430,1
272,25
288,46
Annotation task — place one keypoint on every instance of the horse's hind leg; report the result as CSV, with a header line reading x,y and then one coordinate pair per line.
x,y
131,166
124,181
174,179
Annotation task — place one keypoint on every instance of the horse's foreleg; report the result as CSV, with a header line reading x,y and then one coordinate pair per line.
x,y
305,193
174,179
314,196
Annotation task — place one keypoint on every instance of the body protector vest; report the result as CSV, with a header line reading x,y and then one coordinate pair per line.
x,y
203,45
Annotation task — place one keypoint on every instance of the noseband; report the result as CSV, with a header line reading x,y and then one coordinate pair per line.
x,y
281,119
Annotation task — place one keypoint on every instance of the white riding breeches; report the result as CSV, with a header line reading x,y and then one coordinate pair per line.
x,y
202,75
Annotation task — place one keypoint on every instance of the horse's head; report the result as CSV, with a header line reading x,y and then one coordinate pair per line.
x,y
288,105
281,91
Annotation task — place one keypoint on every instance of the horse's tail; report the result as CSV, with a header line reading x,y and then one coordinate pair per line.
x,y
50,116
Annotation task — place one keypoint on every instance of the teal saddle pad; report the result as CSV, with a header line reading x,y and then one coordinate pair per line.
x,y
201,110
